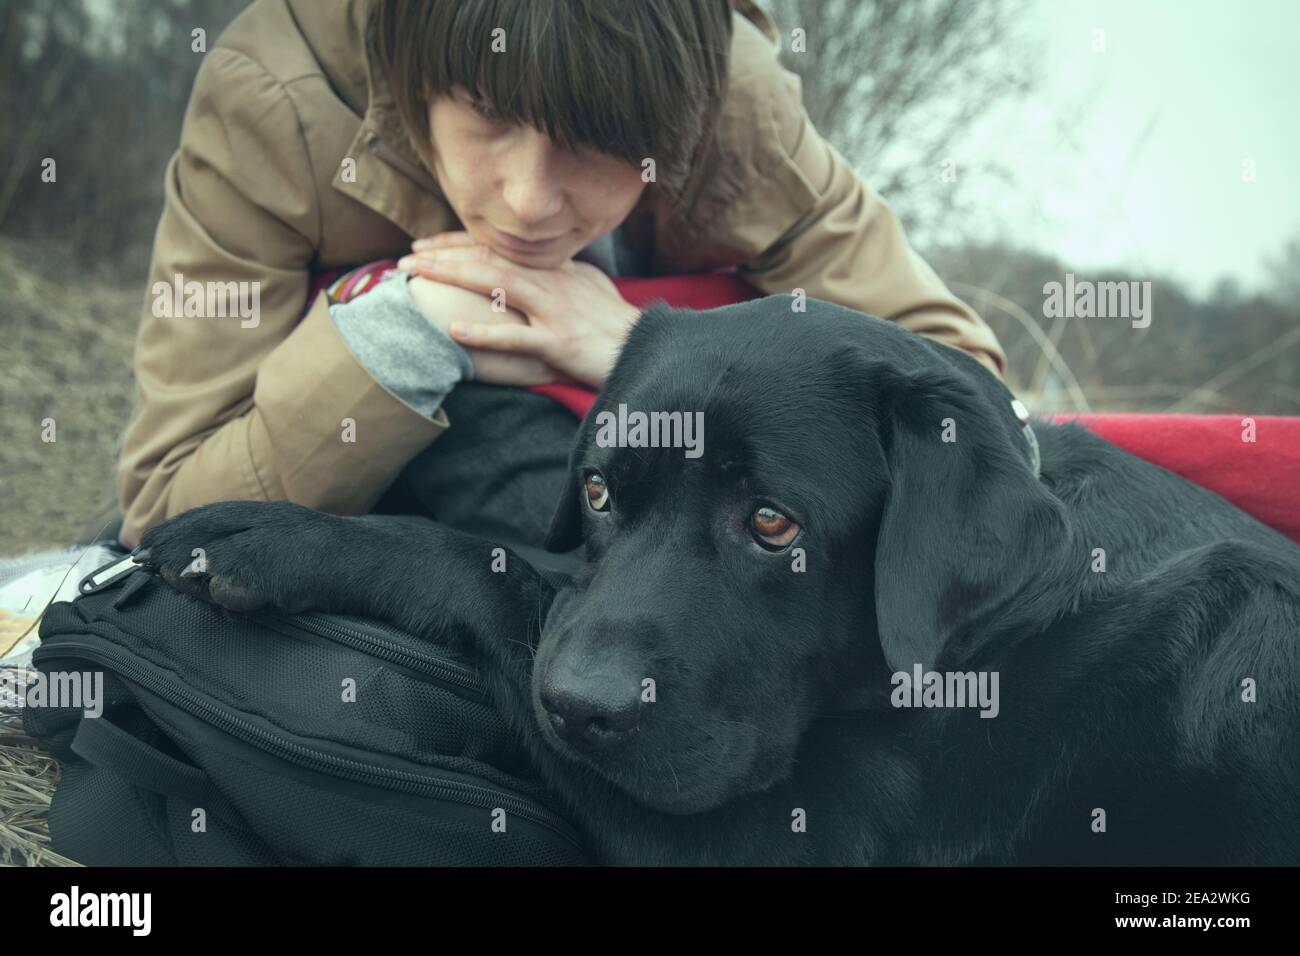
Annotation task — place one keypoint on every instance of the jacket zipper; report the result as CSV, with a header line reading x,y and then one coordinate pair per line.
x,y
452,791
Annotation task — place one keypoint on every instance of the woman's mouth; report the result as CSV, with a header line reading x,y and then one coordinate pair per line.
x,y
520,244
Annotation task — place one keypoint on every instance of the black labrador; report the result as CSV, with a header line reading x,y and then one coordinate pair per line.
x,y
875,617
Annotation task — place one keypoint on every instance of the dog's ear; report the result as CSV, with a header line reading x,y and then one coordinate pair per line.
x,y
967,527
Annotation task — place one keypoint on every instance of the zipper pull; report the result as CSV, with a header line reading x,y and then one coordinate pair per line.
x,y
108,575
133,587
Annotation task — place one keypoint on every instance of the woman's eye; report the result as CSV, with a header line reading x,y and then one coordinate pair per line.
x,y
771,529
484,111
597,492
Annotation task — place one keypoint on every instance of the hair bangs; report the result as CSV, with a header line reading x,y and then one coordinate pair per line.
x,y
636,79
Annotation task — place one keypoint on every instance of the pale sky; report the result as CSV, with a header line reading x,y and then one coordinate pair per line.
x,y
1133,157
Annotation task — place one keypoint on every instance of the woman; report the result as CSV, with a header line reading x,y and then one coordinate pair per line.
x,y
507,140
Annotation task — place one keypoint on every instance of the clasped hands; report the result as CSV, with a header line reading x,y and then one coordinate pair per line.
x,y
521,326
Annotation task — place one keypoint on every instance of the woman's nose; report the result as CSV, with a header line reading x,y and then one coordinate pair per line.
x,y
534,184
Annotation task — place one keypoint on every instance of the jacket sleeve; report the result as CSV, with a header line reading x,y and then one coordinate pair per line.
x,y
827,231
249,403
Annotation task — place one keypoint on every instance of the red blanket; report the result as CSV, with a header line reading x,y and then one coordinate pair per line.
x,y
1260,476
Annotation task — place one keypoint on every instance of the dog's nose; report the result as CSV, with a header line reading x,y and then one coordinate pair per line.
x,y
592,712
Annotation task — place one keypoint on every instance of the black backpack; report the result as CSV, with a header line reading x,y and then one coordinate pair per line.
x,y
270,739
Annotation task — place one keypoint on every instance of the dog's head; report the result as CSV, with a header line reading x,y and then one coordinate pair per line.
x,y
862,500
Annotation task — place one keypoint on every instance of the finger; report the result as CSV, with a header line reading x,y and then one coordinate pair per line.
x,y
469,252
477,252
502,368
515,338
474,252
522,292
444,240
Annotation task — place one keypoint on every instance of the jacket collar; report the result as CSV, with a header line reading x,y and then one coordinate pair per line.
x,y
390,176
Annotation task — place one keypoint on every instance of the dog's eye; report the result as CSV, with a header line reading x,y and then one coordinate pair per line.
x,y
597,492
772,529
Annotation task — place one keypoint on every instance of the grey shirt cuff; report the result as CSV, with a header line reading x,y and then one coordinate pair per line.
x,y
402,349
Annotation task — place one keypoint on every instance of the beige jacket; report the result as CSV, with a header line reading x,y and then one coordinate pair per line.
x,y
257,193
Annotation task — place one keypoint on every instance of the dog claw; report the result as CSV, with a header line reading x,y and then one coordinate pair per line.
x,y
235,598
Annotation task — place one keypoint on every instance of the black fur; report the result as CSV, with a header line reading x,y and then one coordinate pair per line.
x,y
1120,691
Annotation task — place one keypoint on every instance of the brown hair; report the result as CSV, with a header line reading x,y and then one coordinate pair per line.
x,y
633,78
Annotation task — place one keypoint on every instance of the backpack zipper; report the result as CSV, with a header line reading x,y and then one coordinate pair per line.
x,y
372,642
368,639
106,575
453,791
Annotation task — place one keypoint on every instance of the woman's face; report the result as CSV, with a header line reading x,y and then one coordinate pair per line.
x,y
521,194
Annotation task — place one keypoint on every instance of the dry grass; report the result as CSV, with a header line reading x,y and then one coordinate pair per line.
x,y
27,781
68,341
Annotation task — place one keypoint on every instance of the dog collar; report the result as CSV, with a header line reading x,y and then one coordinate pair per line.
x,y
1022,416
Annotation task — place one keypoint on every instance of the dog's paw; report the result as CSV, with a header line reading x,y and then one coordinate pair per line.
x,y
241,555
